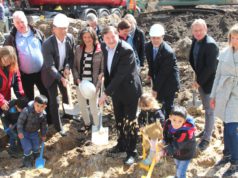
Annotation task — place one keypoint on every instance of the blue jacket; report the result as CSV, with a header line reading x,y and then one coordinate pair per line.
x,y
181,143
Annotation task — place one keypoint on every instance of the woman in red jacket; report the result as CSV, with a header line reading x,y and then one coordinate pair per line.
x,y
9,77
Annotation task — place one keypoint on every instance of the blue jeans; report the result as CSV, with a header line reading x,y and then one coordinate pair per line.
x,y
181,168
30,142
12,133
12,136
209,115
231,141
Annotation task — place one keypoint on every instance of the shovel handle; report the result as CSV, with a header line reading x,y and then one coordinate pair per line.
x,y
101,107
42,149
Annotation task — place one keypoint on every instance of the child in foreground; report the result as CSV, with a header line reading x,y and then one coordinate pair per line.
x,y
9,119
179,139
32,119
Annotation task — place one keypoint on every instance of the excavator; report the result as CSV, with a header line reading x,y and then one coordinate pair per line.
x,y
193,3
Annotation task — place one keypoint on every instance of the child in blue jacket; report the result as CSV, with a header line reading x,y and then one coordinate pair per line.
x,y
179,139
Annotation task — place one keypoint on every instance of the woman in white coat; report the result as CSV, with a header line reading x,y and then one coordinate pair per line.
x,y
224,99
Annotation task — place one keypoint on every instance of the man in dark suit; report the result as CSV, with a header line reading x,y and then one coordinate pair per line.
x,y
122,83
58,53
138,37
203,59
163,69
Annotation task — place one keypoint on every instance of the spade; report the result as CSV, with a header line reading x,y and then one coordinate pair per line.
x,y
40,161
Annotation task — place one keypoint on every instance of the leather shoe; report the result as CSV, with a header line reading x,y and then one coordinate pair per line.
x,y
63,133
67,116
224,160
129,160
203,145
232,171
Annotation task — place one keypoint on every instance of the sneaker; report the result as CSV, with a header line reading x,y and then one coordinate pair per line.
x,y
224,160
232,171
149,158
129,160
63,133
203,145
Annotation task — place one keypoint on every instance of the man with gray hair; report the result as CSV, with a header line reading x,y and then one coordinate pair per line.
x,y
203,59
27,41
138,38
92,21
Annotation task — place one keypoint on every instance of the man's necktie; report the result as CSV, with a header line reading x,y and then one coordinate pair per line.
x,y
155,51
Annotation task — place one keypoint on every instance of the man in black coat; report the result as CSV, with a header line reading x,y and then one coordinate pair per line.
x,y
203,59
122,83
163,69
138,37
58,53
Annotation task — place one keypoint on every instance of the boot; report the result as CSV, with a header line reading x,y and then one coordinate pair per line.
x,y
12,151
28,161
36,155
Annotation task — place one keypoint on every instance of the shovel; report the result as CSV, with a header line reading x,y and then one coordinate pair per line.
x,y
194,97
70,109
100,133
40,161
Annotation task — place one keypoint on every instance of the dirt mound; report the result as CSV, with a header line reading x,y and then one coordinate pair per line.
x,y
178,24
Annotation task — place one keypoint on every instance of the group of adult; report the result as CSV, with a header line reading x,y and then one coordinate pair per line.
x,y
118,55
31,50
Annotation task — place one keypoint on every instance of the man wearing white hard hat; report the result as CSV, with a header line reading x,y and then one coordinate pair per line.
x,y
163,69
58,53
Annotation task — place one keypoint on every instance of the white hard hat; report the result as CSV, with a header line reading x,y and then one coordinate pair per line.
x,y
61,20
87,89
157,30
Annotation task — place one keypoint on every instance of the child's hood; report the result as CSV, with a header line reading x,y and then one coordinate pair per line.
x,y
188,125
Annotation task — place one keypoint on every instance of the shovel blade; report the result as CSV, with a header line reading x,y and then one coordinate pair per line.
x,y
99,136
71,110
40,163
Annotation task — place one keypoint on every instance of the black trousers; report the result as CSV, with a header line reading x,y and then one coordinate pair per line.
x,y
28,82
54,103
167,104
125,115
